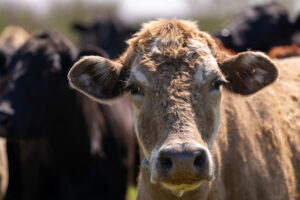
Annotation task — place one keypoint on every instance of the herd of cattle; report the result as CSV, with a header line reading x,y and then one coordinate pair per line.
x,y
56,143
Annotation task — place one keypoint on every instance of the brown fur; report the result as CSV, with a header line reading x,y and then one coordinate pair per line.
x,y
223,48
284,51
256,153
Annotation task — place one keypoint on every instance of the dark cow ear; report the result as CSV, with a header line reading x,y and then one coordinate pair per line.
x,y
98,78
248,72
79,27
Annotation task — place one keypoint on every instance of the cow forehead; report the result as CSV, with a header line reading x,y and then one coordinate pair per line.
x,y
196,71
168,47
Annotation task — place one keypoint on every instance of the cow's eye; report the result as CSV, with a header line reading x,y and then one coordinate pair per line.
x,y
216,84
135,90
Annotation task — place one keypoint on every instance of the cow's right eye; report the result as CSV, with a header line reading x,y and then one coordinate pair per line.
x,y
135,90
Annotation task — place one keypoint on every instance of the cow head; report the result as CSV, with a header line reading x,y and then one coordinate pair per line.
x,y
37,85
107,34
174,75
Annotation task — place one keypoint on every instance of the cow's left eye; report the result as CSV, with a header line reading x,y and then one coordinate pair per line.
x,y
216,84
135,90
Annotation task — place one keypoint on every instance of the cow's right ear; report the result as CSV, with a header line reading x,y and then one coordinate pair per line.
x,y
98,78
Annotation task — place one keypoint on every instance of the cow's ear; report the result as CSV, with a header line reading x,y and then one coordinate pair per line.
x,y
248,72
98,78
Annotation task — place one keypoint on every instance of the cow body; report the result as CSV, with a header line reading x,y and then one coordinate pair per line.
x,y
11,39
259,28
106,34
65,146
199,136
284,51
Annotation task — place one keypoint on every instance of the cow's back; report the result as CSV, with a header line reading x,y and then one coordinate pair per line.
x,y
258,146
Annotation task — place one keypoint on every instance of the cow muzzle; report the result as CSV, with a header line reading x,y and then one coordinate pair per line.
x,y
181,166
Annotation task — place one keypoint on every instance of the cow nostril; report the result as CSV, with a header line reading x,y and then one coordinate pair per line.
x,y
165,162
200,160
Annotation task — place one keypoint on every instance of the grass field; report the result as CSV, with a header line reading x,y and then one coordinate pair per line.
x,y
131,193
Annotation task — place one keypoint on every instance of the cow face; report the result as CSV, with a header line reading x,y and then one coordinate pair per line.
x,y
174,74
37,85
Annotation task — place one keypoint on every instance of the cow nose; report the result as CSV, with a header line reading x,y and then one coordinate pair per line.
x,y
180,162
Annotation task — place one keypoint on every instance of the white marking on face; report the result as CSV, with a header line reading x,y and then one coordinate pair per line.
x,y
139,76
207,66
199,75
136,113
216,127
154,157
197,46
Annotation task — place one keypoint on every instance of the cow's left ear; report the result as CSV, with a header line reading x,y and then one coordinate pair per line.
x,y
99,78
248,72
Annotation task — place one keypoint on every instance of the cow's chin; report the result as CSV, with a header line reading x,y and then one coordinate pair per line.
x,y
180,188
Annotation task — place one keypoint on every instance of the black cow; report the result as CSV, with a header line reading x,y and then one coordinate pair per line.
x,y
68,146
259,28
108,34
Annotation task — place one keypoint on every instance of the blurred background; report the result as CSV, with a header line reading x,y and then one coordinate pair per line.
x,y
35,15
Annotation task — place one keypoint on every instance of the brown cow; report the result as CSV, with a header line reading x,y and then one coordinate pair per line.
x,y
174,73
11,38
284,51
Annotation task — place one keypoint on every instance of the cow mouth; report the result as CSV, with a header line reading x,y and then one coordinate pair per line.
x,y
179,187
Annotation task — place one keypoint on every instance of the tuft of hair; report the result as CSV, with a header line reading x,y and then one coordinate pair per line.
x,y
163,40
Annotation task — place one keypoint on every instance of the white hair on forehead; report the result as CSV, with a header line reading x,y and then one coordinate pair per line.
x,y
207,66
197,46
138,75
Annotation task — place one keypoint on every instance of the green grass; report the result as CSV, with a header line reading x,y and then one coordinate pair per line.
x,y
131,193
212,24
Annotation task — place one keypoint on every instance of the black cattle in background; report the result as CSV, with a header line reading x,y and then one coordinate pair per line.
x,y
108,34
11,38
68,147
3,60
259,28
